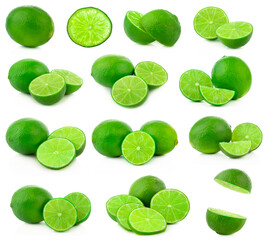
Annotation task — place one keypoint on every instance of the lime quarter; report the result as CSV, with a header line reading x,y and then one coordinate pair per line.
x,y
235,149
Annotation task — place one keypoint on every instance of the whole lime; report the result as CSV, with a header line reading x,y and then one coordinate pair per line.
x,y
25,135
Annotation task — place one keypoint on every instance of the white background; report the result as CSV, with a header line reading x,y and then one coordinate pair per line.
x,y
100,177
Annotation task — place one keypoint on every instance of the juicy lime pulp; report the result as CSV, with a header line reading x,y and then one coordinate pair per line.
x,y
235,149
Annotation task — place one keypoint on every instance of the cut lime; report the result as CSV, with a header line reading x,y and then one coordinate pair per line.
x,y
89,27
190,81
138,148
208,20
48,88
60,214
129,91
235,149
56,153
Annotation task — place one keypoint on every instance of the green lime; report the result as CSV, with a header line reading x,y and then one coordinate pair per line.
x,y
146,221
145,188
134,30
26,135
216,96
74,135
108,136
208,132
138,148
89,27
164,135
232,73
73,81
82,204
223,222
234,179
59,214
29,26
235,149
162,25
56,153
248,131
190,81
235,34
107,69
172,204
28,202
208,20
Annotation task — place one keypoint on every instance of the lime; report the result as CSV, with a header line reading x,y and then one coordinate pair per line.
x,y
162,25
108,136
74,135
190,81
107,69
73,81
146,221
145,188
208,20
82,204
59,214
172,204
89,27
26,135
164,135
235,149
232,73
234,179
248,131
134,30
28,202
235,34
29,26
216,96
56,153
208,132
223,222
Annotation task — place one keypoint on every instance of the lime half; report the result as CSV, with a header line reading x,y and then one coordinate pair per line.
x,y
235,149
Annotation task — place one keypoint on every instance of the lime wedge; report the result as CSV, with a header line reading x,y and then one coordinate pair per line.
x,y
89,27
56,153
208,20
129,91
138,148
235,149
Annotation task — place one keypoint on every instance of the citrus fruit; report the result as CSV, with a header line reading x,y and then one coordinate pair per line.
x,y
108,136
89,27
232,73
29,26
208,132
107,69
28,202
164,135
26,135
235,149
145,188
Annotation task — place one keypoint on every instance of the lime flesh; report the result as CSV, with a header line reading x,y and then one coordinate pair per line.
x,y
235,149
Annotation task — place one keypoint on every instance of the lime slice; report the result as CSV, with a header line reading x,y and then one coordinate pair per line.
x,y
60,214
56,153
235,149
235,34
234,179
82,204
146,221
48,88
216,96
152,73
129,91
138,148
172,204
190,81
208,20
73,81
114,203
223,222
248,131
89,27
74,135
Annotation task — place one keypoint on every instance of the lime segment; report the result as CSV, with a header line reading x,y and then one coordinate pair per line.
x,y
235,149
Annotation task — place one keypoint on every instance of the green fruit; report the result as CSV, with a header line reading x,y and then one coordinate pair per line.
x,y
235,149
26,135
